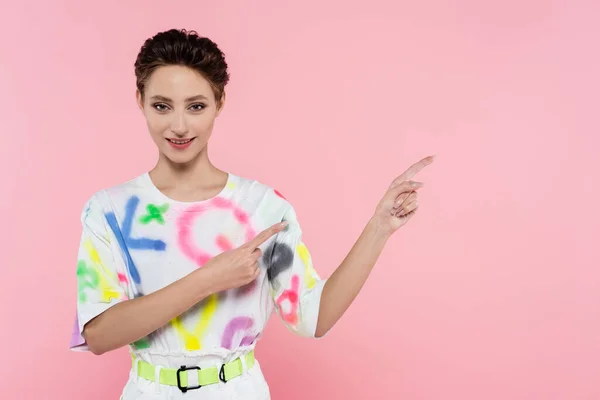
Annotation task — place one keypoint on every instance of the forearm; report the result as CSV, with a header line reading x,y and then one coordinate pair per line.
x,y
134,319
347,280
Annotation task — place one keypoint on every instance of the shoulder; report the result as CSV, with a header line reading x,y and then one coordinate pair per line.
x,y
270,204
263,191
102,201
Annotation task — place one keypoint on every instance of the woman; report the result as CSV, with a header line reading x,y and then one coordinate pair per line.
x,y
185,263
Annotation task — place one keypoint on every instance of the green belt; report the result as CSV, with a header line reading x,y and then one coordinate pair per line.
x,y
206,376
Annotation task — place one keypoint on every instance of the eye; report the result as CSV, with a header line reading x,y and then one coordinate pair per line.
x,y
160,106
198,107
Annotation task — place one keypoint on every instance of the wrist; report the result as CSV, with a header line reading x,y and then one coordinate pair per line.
x,y
379,231
207,281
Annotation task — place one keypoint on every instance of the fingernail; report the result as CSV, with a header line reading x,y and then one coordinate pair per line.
x,y
284,224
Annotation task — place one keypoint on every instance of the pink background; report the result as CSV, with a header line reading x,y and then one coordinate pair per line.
x,y
491,292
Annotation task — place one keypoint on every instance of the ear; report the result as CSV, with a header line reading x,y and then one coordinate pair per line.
x,y
139,100
222,103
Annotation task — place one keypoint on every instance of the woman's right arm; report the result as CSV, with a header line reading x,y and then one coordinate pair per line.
x,y
131,320
134,319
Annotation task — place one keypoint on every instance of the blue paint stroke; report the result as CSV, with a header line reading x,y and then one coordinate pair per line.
x,y
114,226
126,242
138,243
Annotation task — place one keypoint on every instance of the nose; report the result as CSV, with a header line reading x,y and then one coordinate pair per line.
x,y
179,125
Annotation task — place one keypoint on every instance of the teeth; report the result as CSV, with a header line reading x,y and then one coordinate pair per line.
x,y
180,141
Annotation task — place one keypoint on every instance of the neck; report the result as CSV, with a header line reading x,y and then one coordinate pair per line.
x,y
196,172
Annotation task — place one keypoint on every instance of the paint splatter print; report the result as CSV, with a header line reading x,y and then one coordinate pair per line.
x,y
154,213
236,325
136,241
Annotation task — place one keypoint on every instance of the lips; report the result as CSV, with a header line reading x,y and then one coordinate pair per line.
x,y
180,141
180,144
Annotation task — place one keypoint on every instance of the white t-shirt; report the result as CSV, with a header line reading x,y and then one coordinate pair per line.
x,y
136,240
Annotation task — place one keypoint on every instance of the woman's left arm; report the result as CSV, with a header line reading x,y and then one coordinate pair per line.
x,y
396,208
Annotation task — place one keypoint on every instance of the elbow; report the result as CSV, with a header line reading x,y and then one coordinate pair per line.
x,y
96,350
92,339
321,330
319,333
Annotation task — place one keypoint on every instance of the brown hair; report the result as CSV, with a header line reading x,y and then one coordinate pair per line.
x,y
186,48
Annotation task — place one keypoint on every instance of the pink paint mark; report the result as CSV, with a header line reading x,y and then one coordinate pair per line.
x,y
200,256
236,325
124,283
250,234
122,278
279,194
202,259
222,202
241,216
185,224
290,295
223,243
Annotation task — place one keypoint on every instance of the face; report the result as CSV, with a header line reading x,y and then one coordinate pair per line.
x,y
180,110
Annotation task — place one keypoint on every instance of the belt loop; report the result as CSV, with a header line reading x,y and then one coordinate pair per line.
x,y
157,378
243,361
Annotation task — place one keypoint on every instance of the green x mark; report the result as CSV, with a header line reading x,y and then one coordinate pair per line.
x,y
154,213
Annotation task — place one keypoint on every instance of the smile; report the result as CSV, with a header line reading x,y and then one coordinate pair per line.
x,y
180,142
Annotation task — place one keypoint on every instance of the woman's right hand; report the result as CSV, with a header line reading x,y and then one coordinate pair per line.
x,y
238,267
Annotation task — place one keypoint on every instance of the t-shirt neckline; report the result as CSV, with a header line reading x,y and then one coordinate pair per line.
x,y
156,193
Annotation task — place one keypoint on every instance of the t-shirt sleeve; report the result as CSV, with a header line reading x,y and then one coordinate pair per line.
x,y
99,284
295,285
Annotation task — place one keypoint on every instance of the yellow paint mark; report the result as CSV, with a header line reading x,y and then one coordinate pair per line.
x,y
310,275
192,339
108,291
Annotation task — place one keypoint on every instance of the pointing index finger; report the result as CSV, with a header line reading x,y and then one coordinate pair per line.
x,y
265,235
413,170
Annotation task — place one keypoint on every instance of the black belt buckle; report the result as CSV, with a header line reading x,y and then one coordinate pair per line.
x,y
222,374
186,388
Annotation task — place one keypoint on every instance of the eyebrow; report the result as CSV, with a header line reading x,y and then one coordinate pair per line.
x,y
193,98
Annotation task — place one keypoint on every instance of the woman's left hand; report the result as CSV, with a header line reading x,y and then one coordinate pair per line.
x,y
400,202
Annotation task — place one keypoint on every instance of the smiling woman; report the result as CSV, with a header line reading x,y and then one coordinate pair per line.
x,y
186,263
181,93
